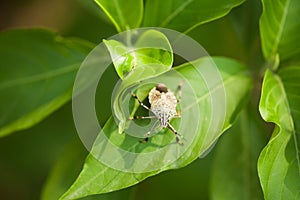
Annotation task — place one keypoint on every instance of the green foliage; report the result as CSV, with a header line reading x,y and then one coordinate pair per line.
x,y
150,56
256,158
96,177
279,29
174,14
65,170
279,162
184,16
124,15
37,73
235,161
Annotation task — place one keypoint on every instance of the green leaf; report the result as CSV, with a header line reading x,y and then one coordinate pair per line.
x,y
184,15
152,47
97,177
64,171
189,182
280,28
124,15
92,8
122,58
26,157
150,56
234,174
278,165
37,72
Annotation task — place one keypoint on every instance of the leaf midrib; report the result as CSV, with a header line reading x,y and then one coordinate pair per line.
x,y
175,13
291,127
281,26
119,13
291,120
216,87
39,77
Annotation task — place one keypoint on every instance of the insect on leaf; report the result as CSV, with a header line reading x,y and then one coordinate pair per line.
x,y
125,161
149,56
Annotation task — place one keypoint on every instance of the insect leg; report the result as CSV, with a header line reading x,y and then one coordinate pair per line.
x,y
178,114
142,117
141,103
176,133
149,132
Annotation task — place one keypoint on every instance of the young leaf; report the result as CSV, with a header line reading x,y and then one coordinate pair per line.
x,y
184,15
279,163
280,28
124,15
234,174
37,72
97,177
122,58
152,47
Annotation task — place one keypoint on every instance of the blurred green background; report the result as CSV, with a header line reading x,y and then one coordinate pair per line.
x,y
27,157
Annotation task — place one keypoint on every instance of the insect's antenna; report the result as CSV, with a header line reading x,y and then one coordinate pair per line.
x,y
179,91
176,133
141,103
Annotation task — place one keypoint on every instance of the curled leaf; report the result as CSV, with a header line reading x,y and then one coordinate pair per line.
x,y
150,56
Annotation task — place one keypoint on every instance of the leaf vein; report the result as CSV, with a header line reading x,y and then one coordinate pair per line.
x,y
39,77
281,26
175,13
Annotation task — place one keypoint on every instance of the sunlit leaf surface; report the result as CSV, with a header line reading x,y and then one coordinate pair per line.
x,y
279,163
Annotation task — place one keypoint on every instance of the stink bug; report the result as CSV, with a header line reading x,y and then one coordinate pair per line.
x,y
163,104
